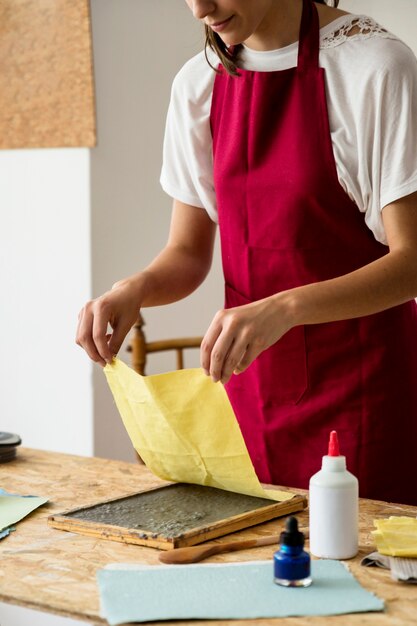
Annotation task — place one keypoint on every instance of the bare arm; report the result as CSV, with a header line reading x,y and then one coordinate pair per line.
x,y
175,273
237,336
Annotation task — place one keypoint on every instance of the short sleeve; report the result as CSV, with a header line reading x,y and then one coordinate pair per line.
x,y
388,161
187,169
372,103
399,126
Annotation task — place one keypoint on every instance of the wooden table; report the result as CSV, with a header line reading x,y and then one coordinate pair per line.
x,y
54,571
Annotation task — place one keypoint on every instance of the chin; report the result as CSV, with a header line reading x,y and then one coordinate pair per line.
x,y
236,38
232,41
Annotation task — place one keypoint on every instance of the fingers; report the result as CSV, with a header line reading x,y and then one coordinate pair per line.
x,y
92,333
217,348
211,360
227,347
234,357
250,355
117,337
99,333
84,336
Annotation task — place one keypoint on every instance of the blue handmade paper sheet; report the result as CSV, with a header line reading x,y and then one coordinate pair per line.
x,y
226,591
14,507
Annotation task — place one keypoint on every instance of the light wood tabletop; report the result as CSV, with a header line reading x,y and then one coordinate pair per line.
x,y
55,571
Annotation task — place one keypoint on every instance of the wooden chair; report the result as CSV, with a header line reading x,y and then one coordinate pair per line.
x,y
140,348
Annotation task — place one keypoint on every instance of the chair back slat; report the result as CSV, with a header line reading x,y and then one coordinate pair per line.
x,y
140,348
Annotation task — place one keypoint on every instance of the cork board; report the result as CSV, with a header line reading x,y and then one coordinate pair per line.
x,y
173,516
46,75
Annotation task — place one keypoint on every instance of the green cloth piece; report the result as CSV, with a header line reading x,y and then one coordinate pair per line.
x,y
13,507
226,591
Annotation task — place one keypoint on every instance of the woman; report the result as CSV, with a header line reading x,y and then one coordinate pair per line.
x,y
306,154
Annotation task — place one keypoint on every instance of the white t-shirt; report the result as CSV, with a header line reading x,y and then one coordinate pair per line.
x,y
371,83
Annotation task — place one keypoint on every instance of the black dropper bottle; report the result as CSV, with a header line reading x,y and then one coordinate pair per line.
x,y
291,562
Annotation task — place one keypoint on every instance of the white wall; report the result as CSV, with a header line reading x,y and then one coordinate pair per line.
x,y
45,250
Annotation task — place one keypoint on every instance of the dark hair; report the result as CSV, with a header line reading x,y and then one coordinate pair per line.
x,y
229,56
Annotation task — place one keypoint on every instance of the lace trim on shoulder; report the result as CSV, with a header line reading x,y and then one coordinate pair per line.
x,y
363,27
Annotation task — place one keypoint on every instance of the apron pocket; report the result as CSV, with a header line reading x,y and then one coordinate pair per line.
x,y
234,298
281,370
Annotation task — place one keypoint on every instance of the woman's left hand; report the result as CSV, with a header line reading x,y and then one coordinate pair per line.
x,y
237,336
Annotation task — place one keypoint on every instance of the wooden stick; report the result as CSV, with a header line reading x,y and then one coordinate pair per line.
x,y
194,554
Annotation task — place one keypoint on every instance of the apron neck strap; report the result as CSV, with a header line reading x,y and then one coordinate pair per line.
x,y
308,47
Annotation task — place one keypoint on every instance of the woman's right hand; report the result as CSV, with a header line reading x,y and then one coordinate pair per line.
x,y
118,308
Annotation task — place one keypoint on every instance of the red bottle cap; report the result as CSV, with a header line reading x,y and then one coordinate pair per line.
x,y
333,444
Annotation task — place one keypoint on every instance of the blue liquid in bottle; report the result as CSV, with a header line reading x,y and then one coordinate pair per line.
x,y
291,562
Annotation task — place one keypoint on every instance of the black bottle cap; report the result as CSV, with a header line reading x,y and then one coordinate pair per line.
x,y
9,439
291,535
8,443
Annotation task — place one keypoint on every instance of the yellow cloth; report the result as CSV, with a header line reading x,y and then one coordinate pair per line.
x,y
396,536
184,428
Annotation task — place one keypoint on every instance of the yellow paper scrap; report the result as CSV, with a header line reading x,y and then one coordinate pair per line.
x,y
396,536
184,428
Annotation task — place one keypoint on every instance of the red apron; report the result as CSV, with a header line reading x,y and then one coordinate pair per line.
x,y
286,221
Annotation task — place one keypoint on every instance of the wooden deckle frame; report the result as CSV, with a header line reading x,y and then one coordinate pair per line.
x,y
192,537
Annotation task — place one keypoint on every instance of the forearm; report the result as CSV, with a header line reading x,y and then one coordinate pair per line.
x,y
174,274
387,282
183,263
238,335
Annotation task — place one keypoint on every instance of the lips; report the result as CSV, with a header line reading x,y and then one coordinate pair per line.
x,y
219,26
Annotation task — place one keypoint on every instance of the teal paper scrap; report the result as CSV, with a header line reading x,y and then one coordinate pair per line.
x,y
6,532
226,591
14,507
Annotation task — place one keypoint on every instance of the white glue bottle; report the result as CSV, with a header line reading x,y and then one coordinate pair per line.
x,y
333,504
